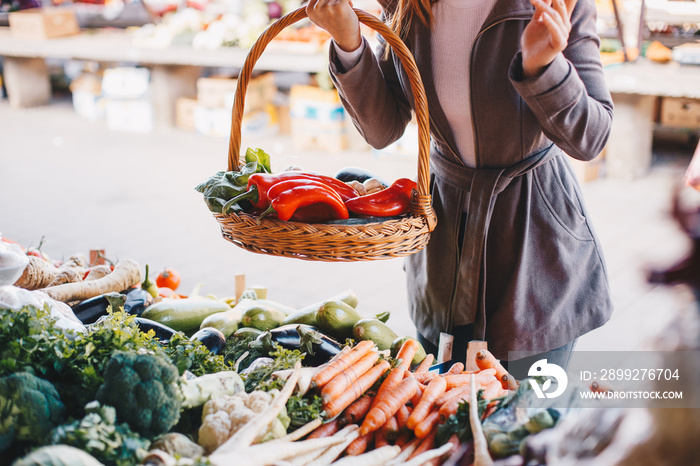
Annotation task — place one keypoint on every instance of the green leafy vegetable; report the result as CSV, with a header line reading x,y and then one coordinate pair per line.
x,y
282,359
303,409
225,185
458,423
260,156
99,434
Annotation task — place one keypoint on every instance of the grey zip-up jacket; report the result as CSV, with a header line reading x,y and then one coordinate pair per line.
x,y
530,275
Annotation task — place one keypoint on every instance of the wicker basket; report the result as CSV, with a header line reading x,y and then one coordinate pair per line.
x,y
334,242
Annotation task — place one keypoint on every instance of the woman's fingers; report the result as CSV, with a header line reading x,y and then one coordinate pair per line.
x,y
557,35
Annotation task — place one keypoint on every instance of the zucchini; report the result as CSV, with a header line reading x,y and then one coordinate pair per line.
x,y
375,330
307,314
337,318
398,343
247,332
184,315
262,317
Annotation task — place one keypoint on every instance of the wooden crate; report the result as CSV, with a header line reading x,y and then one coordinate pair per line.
x,y
43,23
680,113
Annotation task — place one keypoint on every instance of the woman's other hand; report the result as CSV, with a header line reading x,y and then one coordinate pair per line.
x,y
546,35
338,18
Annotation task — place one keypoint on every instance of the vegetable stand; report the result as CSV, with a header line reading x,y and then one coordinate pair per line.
x,y
367,239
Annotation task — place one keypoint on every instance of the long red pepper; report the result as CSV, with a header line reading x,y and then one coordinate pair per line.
x,y
260,183
287,202
394,200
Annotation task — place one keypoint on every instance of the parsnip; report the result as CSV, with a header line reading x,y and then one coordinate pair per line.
x,y
125,275
38,274
378,457
428,455
482,457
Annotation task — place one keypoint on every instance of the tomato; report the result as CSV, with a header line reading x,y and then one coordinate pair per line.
x,y
165,292
168,278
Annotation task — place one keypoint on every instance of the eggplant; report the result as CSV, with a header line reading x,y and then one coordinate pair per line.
x,y
137,300
319,348
163,332
212,338
90,310
356,174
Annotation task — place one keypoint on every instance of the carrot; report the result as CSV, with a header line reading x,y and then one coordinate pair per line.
x,y
404,438
361,385
326,430
429,423
388,406
402,416
435,389
125,275
390,429
456,380
345,379
379,439
451,394
416,397
450,408
425,363
486,360
424,377
407,352
340,362
492,390
508,382
426,443
456,368
357,411
359,445
390,382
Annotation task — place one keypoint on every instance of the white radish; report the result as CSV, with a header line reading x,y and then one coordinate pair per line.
x,y
481,449
378,457
270,452
429,455
302,431
350,432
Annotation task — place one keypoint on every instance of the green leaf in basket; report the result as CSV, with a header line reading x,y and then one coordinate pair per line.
x,y
260,156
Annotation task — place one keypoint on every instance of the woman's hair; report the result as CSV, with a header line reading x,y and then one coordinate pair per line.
x,y
406,10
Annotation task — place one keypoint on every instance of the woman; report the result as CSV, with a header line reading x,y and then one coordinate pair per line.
x,y
513,86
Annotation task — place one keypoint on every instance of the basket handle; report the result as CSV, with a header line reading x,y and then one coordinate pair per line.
x,y
421,200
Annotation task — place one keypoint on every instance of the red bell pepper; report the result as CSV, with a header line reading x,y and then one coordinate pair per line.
x,y
394,200
304,199
260,183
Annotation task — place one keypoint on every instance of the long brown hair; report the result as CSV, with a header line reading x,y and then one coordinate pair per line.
x,y
406,10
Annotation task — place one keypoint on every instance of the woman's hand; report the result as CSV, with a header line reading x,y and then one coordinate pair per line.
x,y
546,35
338,18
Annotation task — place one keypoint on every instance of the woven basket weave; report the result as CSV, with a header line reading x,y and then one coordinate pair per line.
x,y
334,242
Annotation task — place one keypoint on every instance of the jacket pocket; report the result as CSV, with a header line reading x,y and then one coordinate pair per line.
x,y
558,194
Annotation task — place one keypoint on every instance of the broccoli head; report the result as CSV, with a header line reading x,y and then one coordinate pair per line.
x,y
142,387
30,408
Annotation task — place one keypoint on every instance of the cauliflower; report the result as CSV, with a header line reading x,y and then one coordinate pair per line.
x,y
223,416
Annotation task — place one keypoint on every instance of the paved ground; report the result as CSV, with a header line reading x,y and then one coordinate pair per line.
x,y
82,186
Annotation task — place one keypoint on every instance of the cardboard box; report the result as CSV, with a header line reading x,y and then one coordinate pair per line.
x,y
129,115
126,83
184,113
219,92
217,122
680,113
87,99
317,119
43,23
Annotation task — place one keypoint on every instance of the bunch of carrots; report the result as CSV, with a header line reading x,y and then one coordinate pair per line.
x,y
406,407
